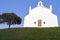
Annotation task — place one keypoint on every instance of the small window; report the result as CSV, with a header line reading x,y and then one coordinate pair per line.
x,y
44,22
34,22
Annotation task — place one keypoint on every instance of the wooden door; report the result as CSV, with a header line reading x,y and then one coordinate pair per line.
x,y
39,23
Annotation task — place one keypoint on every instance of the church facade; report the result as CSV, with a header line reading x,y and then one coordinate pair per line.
x,y
40,16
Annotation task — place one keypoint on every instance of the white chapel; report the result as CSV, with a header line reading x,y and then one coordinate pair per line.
x,y
40,16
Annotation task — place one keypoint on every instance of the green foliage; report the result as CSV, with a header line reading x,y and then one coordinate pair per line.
x,y
1,20
10,19
30,34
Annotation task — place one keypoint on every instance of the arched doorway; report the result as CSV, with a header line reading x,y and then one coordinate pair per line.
x,y
39,23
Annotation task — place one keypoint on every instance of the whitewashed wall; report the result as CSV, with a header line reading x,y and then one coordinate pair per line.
x,y
40,13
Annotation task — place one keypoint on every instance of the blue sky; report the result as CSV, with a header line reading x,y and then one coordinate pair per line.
x,y
21,7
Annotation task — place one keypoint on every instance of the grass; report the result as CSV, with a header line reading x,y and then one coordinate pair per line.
x,y
30,34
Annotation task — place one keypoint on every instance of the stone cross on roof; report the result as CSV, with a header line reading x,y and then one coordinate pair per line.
x,y
40,3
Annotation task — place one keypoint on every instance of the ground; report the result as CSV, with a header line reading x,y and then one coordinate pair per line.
x,y
30,34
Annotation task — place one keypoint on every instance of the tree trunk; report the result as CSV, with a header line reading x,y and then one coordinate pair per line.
x,y
9,26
